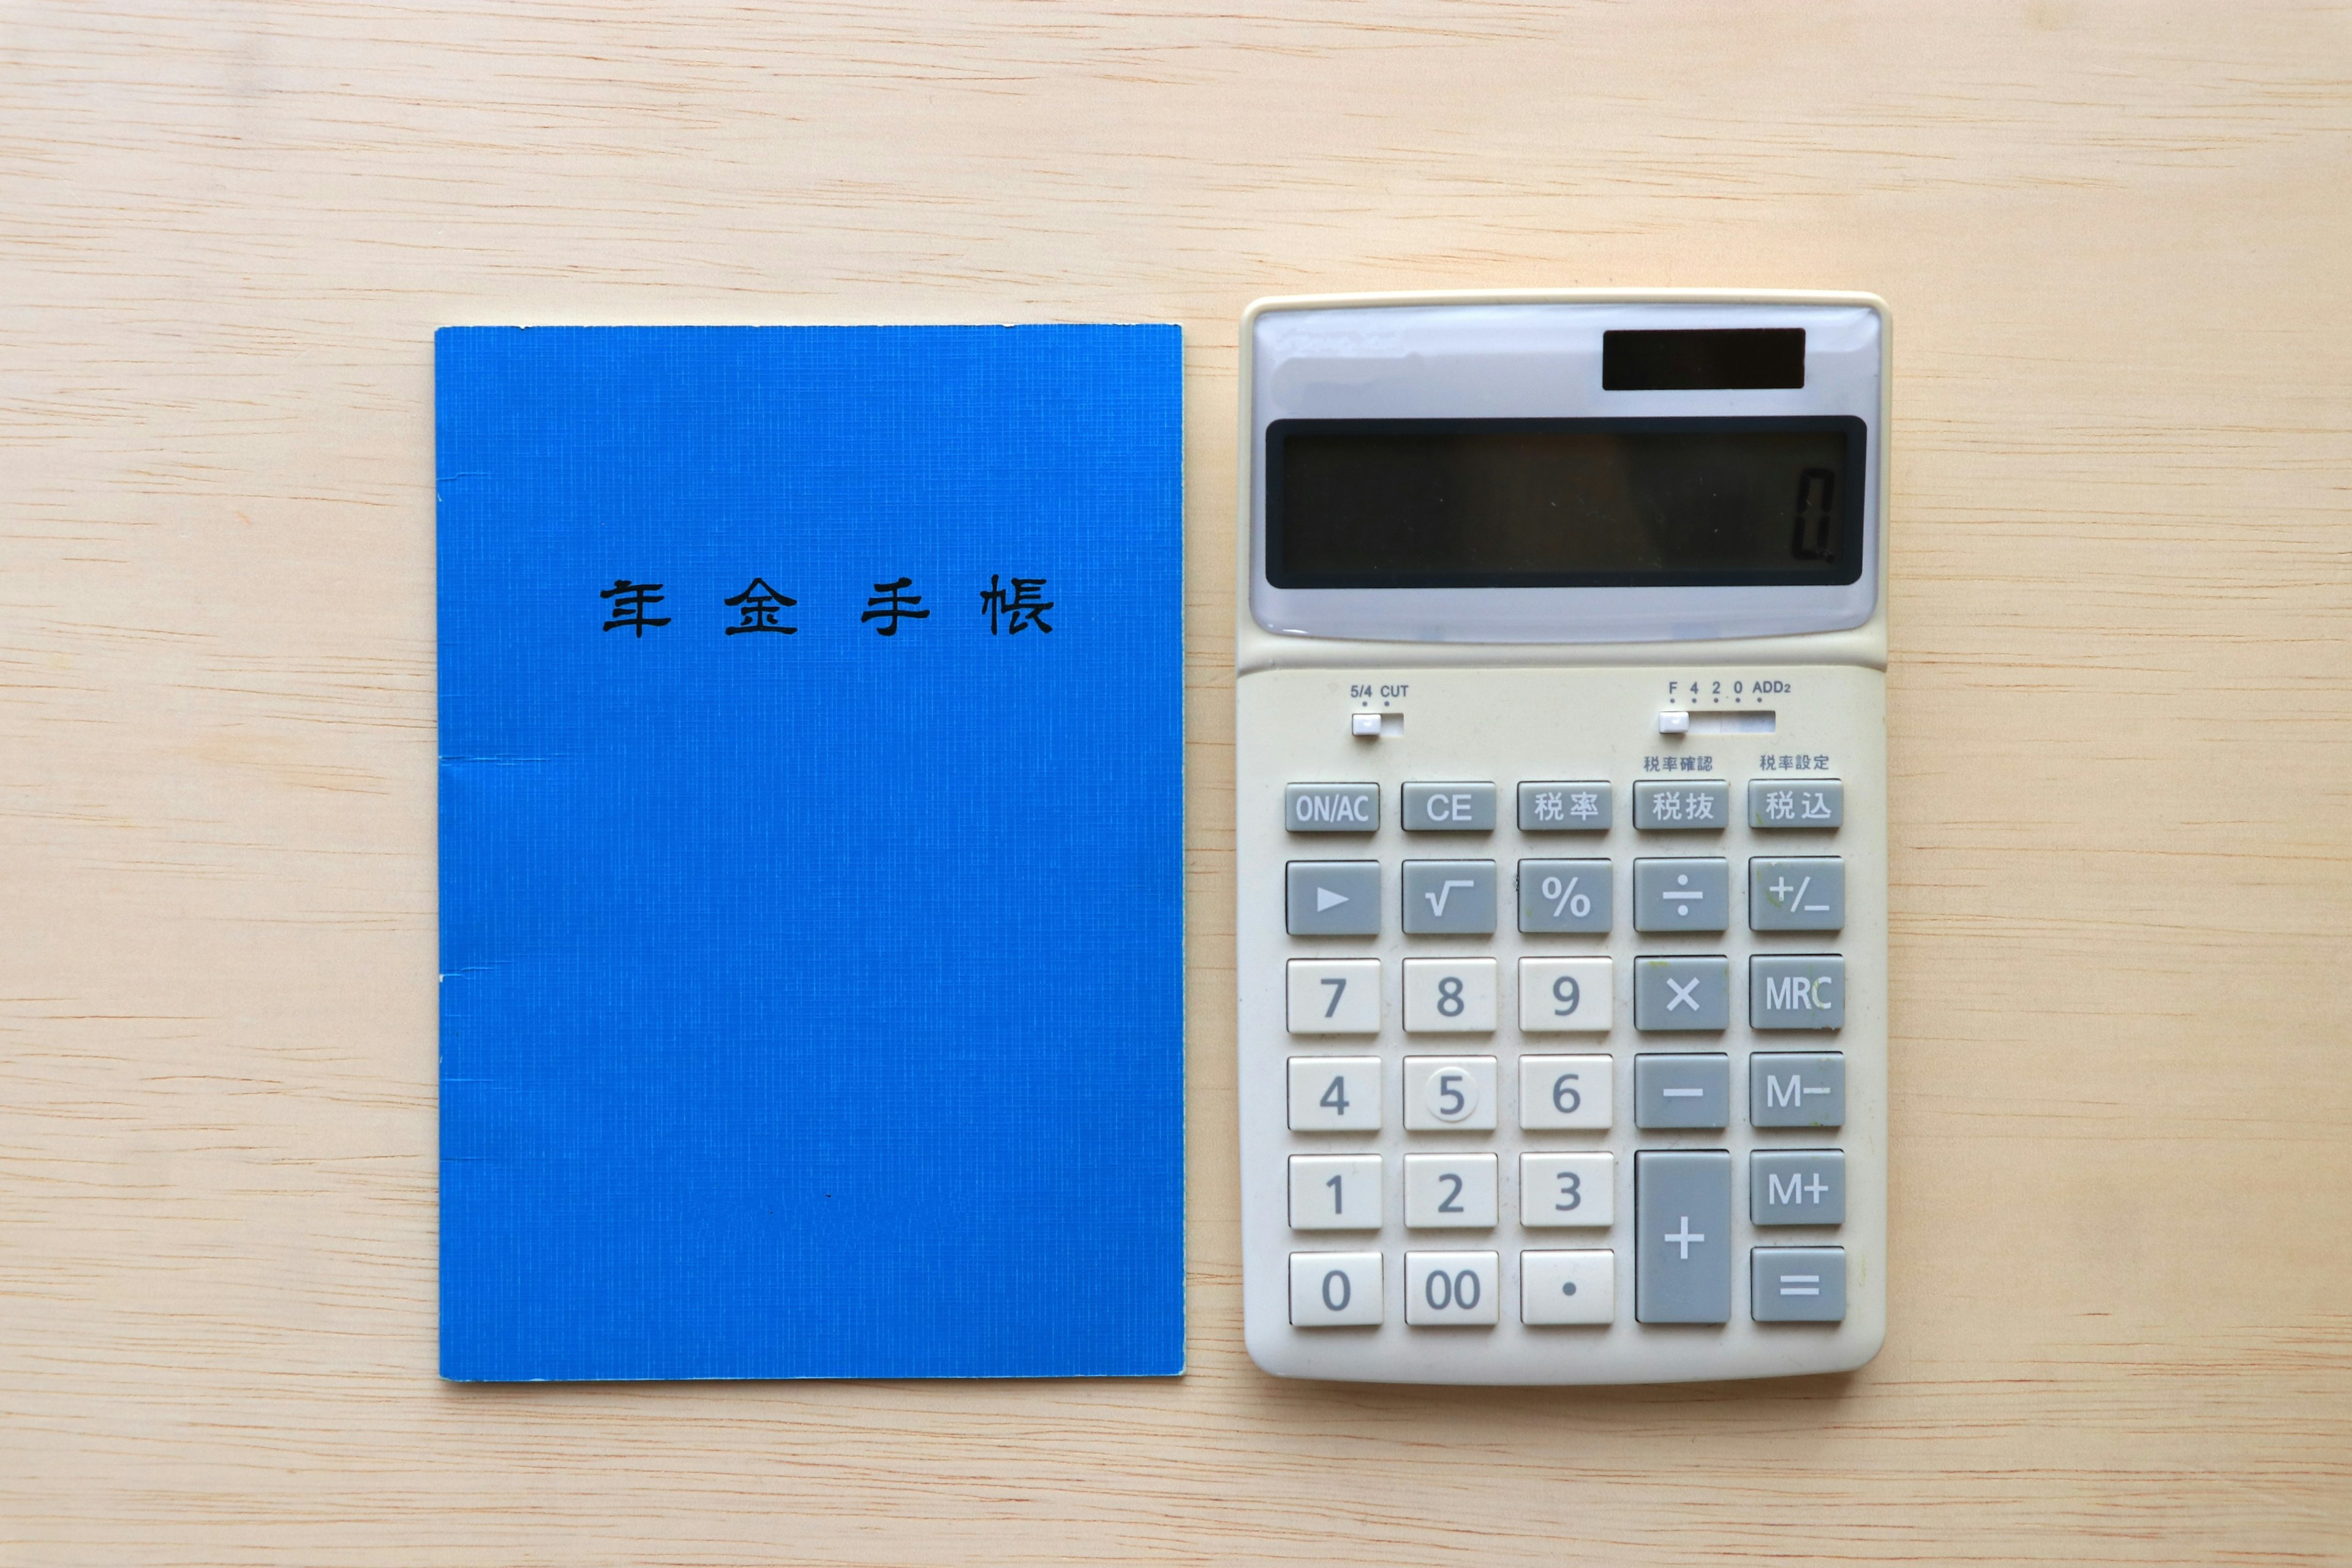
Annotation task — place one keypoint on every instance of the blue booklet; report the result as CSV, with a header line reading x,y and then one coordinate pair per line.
x,y
812,857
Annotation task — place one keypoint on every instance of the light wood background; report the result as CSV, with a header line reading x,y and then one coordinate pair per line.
x,y
2115,238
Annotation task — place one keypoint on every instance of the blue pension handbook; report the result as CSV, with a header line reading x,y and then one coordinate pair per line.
x,y
812,855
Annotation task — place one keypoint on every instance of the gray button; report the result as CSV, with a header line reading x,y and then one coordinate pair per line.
x,y
1701,806
1564,896
1797,1186
1682,895
1797,1284
1795,802
1563,807
1682,1248
1801,1088
1681,1091
1797,895
1797,992
1449,808
1335,898
1331,808
1672,994
1449,896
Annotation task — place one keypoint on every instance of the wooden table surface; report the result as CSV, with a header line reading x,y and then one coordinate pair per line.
x,y
2115,238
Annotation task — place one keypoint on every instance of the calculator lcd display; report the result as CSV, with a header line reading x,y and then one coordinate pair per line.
x,y
1547,503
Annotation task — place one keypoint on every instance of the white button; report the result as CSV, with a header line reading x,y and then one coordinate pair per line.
x,y
1335,1192
1566,1093
1449,995
1558,1190
1335,1094
1559,1288
1335,996
1365,726
1449,1289
1674,721
1335,1290
1449,1093
1566,995
1450,1191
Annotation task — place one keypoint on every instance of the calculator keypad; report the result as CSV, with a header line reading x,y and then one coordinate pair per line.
x,y
1672,1220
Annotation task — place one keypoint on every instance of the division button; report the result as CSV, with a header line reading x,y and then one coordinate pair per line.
x,y
1685,1091
1331,808
1449,808
1335,1290
1797,1186
1703,805
1682,895
1775,804
1682,1249
1797,1284
1797,1088
1682,994
1803,992
1334,898
1807,894
1564,808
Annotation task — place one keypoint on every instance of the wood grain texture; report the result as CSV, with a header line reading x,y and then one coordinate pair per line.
x,y
2115,240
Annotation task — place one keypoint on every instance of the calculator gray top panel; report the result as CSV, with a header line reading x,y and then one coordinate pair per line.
x,y
1521,358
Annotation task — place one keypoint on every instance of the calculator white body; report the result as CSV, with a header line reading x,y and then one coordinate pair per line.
x,y
1506,1244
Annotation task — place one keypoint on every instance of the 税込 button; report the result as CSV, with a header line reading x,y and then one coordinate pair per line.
x,y
1793,804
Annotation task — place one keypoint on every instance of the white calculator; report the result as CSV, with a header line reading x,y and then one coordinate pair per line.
x,y
1561,799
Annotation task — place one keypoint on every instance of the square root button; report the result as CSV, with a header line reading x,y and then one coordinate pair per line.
x,y
1679,994
1797,1284
1449,898
1334,898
